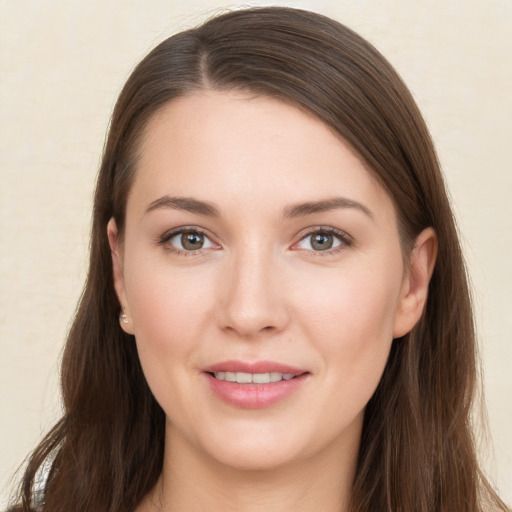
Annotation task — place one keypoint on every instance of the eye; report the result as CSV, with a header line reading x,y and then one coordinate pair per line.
x,y
187,240
323,240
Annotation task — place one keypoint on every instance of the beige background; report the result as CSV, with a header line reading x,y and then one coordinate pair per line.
x,y
62,64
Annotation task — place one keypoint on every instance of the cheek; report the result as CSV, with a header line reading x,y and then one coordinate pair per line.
x,y
354,301
166,302
352,322
168,314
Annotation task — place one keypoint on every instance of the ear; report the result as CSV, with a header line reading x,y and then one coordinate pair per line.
x,y
118,274
414,292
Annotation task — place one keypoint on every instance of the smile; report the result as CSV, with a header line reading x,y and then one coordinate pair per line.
x,y
253,378
254,385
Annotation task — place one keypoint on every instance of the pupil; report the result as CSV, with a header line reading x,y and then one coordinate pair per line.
x,y
192,241
322,241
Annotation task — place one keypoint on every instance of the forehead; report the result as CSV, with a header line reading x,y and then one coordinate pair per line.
x,y
231,145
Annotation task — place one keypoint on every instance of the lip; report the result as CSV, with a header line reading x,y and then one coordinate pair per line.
x,y
254,396
255,367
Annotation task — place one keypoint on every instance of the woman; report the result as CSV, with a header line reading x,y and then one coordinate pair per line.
x,y
276,313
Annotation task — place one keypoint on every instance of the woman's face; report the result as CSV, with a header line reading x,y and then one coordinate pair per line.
x,y
263,279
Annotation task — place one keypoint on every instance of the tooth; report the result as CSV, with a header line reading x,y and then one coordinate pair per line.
x,y
261,378
257,378
244,378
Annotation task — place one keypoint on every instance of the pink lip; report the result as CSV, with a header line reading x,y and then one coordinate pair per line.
x,y
254,396
256,367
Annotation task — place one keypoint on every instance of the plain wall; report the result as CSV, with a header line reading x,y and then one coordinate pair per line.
x,y
62,65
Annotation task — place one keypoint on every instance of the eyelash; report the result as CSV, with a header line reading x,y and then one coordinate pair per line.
x,y
169,235
344,239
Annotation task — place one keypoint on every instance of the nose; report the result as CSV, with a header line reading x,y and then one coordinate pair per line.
x,y
252,299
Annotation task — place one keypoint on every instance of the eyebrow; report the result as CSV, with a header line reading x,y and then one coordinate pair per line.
x,y
297,210
311,207
184,203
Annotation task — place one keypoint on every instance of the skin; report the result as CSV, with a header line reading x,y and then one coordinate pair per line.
x,y
259,290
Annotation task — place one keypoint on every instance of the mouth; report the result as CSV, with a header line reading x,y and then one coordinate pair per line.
x,y
254,385
254,378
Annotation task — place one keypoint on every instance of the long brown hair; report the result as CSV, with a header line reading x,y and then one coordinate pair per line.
x,y
417,451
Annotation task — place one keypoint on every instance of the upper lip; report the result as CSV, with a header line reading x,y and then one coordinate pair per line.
x,y
254,367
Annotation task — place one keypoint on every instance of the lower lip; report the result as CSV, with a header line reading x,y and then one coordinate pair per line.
x,y
254,396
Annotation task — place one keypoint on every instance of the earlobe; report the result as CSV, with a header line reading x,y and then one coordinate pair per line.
x,y
118,276
414,291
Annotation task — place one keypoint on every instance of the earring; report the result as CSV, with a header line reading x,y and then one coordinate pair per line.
x,y
123,317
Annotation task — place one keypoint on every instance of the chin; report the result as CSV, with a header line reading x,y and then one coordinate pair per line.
x,y
256,446
251,446
256,458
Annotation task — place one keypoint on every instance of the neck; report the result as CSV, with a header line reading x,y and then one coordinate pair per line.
x,y
192,483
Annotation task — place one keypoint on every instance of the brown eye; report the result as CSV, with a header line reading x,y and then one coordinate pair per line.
x,y
192,241
322,241
189,241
